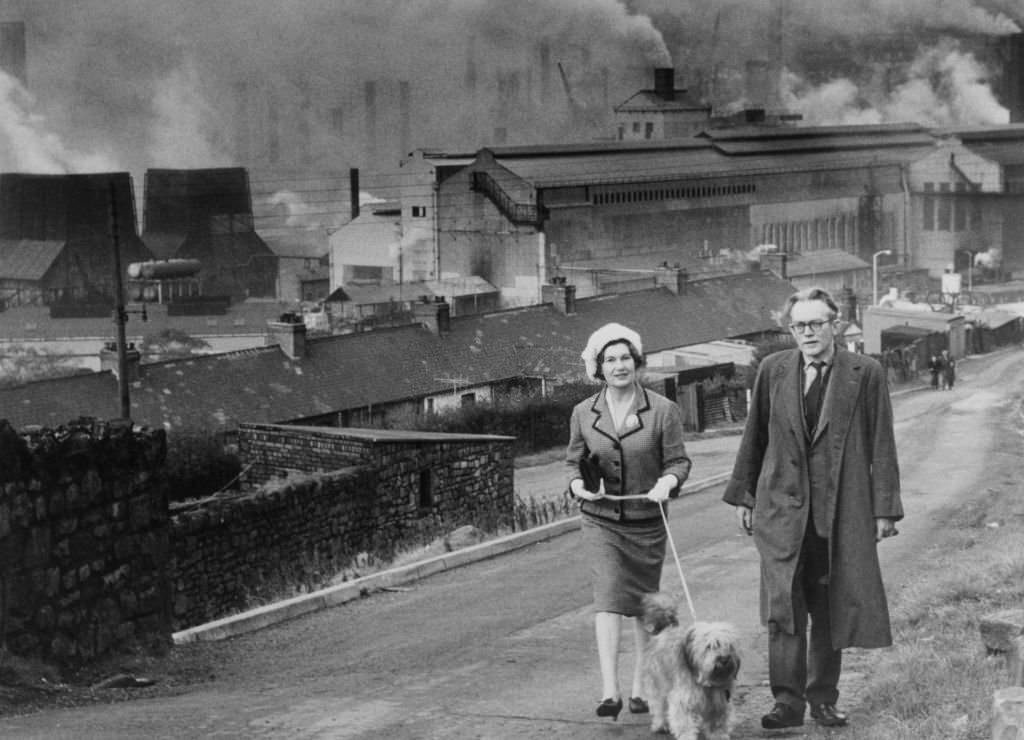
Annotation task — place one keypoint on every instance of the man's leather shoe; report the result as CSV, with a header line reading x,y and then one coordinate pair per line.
x,y
827,715
782,716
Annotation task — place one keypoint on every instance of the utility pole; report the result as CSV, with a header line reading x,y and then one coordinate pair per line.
x,y
120,315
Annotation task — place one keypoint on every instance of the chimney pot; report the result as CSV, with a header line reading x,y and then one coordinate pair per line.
x,y
434,315
290,335
673,278
560,295
133,358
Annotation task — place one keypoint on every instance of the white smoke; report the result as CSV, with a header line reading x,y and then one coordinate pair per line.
x,y
183,134
942,86
28,145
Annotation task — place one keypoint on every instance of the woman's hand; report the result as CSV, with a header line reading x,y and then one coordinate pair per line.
x,y
579,491
662,490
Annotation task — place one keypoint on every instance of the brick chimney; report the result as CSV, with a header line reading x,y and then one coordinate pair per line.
x,y
665,83
673,278
289,332
434,314
133,364
560,295
776,262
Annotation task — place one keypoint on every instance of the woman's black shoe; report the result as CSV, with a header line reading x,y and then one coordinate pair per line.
x,y
638,705
610,708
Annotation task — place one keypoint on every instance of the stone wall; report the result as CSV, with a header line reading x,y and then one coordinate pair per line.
x,y
83,540
319,498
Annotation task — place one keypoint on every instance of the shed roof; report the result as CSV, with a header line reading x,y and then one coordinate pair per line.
x,y
823,262
27,259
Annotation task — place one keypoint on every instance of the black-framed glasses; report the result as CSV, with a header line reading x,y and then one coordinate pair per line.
x,y
801,326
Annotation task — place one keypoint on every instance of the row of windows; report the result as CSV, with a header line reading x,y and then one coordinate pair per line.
x,y
674,193
948,213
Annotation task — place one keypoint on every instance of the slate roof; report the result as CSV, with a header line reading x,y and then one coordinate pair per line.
x,y
34,322
27,259
388,365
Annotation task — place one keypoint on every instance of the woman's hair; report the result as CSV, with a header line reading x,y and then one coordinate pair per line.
x,y
638,359
811,294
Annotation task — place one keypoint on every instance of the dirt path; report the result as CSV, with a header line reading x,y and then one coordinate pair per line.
x,y
504,648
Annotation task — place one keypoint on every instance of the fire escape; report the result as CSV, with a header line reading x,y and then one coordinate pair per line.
x,y
520,214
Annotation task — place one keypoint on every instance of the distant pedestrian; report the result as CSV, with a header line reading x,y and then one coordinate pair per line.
x,y
935,369
948,370
623,440
816,483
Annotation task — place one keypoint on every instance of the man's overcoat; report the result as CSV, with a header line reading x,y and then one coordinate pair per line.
x,y
854,447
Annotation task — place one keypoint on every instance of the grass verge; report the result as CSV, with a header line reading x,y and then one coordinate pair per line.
x,y
937,681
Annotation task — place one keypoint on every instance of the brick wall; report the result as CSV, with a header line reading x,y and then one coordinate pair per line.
x,y
319,497
83,540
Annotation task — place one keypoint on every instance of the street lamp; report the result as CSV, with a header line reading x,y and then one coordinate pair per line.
x,y
874,274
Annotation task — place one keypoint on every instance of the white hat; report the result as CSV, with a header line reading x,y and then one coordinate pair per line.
x,y
602,338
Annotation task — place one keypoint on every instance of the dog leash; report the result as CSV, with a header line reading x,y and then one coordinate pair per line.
x,y
672,545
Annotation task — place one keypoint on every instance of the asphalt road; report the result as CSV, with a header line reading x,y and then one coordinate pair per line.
x,y
504,648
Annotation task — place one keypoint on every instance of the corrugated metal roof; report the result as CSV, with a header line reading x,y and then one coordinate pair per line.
x,y
648,100
1005,153
823,261
694,164
824,143
27,259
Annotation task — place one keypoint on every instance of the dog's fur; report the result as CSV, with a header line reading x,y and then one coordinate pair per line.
x,y
689,672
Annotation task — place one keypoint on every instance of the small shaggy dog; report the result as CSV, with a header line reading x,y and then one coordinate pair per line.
x,y
688,673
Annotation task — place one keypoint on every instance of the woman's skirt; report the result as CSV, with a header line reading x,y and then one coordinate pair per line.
x,y
625,562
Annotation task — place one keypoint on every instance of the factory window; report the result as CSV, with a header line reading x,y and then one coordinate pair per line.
x,y
961,209
648,130
419,211
636,127
944,209
928,208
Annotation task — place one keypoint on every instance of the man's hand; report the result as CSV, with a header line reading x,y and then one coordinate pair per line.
x,y
885,528
746,518
577,489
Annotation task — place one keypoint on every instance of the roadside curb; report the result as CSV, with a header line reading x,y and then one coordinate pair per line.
x,y
297,606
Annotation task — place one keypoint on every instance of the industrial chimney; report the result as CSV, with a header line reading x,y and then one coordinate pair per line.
x,y
12,50
1012,86
665,83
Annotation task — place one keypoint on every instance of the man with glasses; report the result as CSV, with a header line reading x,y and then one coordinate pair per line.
x,y
816,482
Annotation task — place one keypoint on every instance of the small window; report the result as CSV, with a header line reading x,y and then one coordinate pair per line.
x,y
636,127
419,211
468,399
426,490
648,130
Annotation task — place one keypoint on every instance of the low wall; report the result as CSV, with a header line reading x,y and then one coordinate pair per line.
x,y
320,497
83,540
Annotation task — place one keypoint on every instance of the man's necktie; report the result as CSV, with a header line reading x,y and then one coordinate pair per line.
x,y
814,393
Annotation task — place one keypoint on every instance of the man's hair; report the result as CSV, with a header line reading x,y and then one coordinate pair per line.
x,y
811,294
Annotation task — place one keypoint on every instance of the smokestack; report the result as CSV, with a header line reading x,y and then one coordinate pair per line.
x,y
665,83
305,139
1013,76
353,192
370,98
545,72
405,115
273,137
242,122
12,51
761,84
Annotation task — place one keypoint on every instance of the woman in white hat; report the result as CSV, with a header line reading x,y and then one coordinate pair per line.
x,y
625,440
